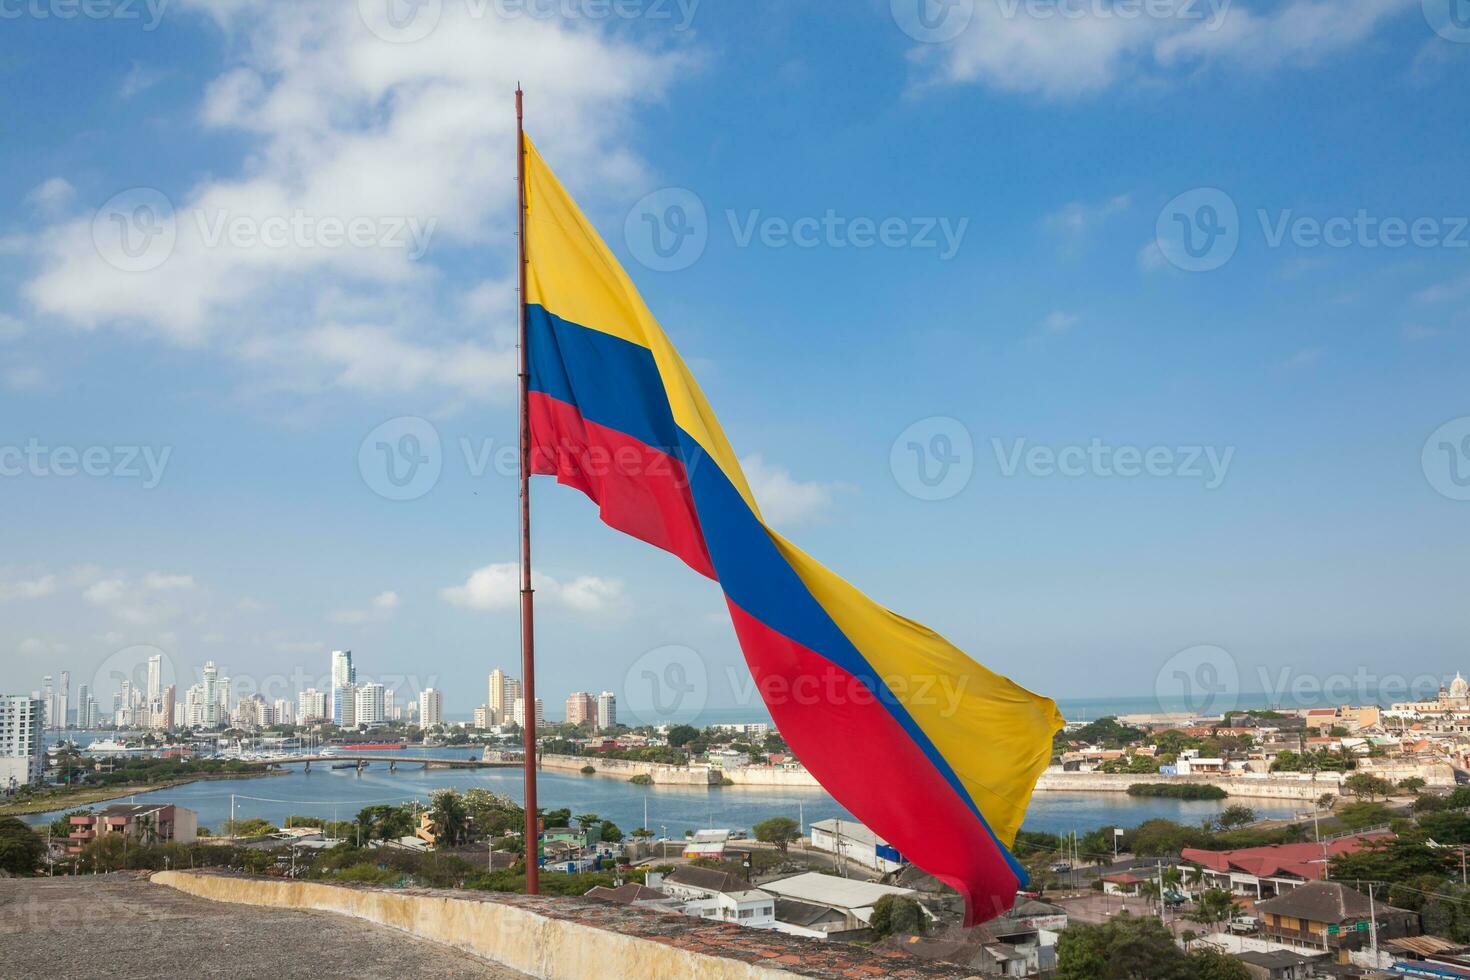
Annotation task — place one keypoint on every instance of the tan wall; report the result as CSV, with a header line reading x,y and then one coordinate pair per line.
x,y
1265,788
555,949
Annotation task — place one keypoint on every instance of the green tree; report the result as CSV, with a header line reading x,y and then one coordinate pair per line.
x,y
611,832
780,831
1124,948
1235,815
1214,906
61,826
1362,785
1210,964
21,849
585,820
682,735
1356,816
450,820
384,822
1413,784
897,914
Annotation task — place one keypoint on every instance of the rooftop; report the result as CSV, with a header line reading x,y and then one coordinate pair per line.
x,y
1323,901
830,890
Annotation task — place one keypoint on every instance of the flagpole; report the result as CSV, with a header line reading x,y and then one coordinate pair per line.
x,y
528,632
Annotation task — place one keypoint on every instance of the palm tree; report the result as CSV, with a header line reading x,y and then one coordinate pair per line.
x,y
1213,906
447,811
586,820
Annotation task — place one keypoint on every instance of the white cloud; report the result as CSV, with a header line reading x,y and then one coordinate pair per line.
x,y
139,78
1070,51
1151,257
342,125
24,377
31,589
148,601
51,195
496,588
782,498
1073,224
1060,322
1445,291
382,607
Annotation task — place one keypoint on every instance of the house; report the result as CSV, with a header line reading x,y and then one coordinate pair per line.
x,y
813,921
580,837
718,895
149,823
996,948
854,899
1329,915
1122,883
635,894
707,843
1277,965
1264,872
854,842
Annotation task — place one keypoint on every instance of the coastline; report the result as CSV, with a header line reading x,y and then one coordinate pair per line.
x,y
110,793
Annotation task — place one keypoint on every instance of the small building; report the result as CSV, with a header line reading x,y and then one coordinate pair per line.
x,y
707,844
718,895
852,841
1329,915
1275,869
1122,883
634,894
578,837
1277,965
147,823
853,898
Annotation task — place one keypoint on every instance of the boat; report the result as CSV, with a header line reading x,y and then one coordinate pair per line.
x,y
373,746
107,745
351,765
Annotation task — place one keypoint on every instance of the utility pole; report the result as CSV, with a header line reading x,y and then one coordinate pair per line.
x,y
1160,866
1372,925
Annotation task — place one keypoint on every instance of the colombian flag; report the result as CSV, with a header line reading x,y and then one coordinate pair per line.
x,y
929,749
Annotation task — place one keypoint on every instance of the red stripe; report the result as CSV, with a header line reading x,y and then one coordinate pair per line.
x,y
639,490
859,753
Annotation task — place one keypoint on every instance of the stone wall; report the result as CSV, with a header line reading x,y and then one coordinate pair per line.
x,y
1254,787
569,938
625,769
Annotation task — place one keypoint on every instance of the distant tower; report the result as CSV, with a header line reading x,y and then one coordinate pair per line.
x,y
344,675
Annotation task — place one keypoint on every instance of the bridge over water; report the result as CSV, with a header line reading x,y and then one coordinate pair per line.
x,y
359,760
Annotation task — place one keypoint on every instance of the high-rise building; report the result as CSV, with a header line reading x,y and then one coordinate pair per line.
x,y
48,703
497,702
63,699
155,678
209,696
431,707
83,693
22,740
607,709
343,676
484,717
285,712
349,706
163,708
518,713
311,706
581,706
372,704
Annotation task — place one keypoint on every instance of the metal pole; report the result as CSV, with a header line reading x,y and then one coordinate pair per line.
x,y
1372,925
528,632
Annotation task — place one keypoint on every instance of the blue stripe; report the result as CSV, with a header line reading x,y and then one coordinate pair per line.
x,y
615,383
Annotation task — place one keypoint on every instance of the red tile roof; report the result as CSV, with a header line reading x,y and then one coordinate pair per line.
x,y
1275,860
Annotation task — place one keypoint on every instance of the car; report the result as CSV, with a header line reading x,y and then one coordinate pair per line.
x,y
1244,923
1061,867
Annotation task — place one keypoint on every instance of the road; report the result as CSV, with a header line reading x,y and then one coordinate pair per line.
x,y
121,926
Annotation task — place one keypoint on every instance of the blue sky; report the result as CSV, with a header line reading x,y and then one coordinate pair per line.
x,y
1065,148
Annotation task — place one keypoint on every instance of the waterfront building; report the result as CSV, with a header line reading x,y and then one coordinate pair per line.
x,y
500,698
48,703
1264,872
752,730
22,741
284,712
209,696
581,706
518,713
311,706
431,707
348,716
484,717
851,841
344,675
607,710
372,704
63,700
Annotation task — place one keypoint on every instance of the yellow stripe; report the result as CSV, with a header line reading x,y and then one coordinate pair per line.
x,y
573,274
995,734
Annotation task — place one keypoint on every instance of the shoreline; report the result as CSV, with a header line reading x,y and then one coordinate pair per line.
x,y
108,794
